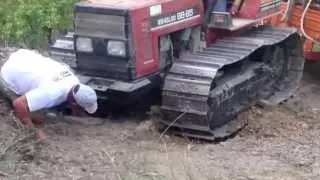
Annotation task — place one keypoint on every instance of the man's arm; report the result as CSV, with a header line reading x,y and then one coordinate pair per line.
x,y
21,109
46,97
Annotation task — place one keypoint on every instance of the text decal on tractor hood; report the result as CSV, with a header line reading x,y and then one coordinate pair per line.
x,y
174,17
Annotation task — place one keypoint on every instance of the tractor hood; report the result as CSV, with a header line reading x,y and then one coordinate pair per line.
x,y
121,4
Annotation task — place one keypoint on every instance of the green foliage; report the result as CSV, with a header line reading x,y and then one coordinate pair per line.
x,y
32,22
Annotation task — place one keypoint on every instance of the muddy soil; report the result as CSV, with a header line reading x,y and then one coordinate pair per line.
x,y
280,142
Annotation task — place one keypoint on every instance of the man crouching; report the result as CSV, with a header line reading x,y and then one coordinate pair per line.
x,y
40,83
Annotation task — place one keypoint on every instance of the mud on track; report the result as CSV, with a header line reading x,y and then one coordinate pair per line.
x,y
280,142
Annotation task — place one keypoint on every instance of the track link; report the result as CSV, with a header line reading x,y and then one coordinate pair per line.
x,y
197,101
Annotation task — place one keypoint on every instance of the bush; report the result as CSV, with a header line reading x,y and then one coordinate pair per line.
x,y
31,22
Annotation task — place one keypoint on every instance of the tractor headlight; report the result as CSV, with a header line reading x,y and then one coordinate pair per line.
x,y
117,48
84,44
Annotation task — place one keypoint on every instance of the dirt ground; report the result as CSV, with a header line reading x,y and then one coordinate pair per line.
x,y
279,143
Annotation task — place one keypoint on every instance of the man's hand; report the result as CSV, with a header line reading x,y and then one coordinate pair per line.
x,y
40,135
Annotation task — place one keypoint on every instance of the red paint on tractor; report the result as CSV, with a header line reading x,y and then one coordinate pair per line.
x,y
312,56
147,38
311,28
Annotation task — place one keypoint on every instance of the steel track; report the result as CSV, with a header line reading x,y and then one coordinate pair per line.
x,y
209,110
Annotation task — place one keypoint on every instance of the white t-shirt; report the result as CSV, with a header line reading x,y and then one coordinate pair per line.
x,y
45,82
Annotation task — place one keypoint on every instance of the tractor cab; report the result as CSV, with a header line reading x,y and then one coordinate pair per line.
x,y
236,14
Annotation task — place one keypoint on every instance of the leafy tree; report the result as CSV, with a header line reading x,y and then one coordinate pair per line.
x,y
31,22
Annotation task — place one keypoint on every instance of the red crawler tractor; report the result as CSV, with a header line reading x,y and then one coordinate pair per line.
x,y
208,59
